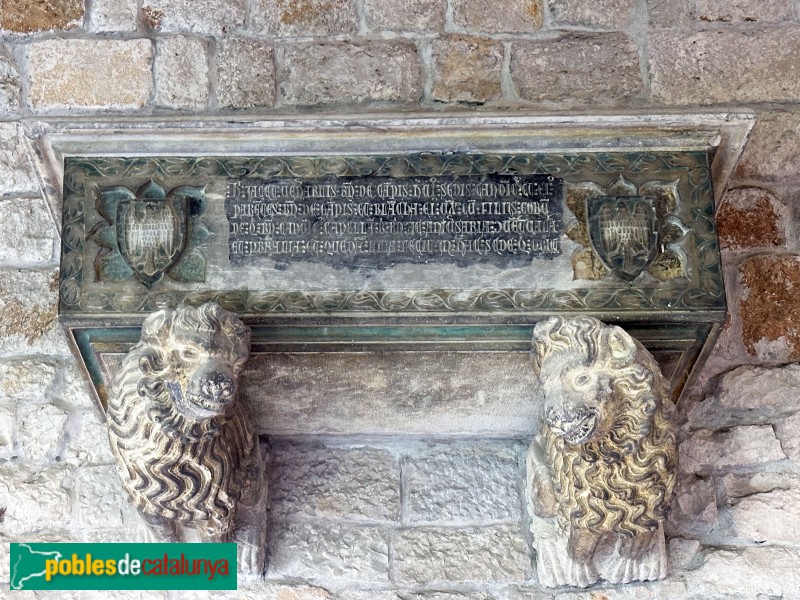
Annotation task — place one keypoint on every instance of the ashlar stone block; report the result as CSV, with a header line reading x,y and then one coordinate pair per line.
x,y
28,313
442,555
411,15
89,74
516,16
350,73
245,73
28,16
748,445
27,232
724,66
16,173
9,82
34,501
339,483
196,16
743,11
605,14
751,218
27,380
466,69
773,148
601,69
772,517
181,68
284,18
108,16
468,483
40,429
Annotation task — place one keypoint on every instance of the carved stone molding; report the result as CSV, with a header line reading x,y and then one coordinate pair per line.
x,y
600,472
186,452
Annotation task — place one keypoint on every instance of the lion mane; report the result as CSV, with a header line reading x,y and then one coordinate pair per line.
x,y
174,464
623,481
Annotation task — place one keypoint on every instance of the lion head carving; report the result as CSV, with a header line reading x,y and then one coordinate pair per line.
x,y
606,443
179,435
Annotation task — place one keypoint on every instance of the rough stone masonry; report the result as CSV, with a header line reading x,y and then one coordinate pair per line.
x,y
420,519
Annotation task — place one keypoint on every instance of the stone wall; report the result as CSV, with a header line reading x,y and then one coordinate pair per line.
x,y
415,519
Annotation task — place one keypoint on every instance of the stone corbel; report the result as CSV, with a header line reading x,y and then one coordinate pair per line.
x,y
186,452
601,470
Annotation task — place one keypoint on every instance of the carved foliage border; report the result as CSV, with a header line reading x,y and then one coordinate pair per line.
x,y
703,292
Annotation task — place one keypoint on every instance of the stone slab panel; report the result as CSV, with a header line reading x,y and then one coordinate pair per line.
x,y
181,69
575,69
411,15
197,16
751,217
245,73
748,445
28,16
603,14
40,430
743,11
464,483
749,395
770,308
27,232
747,572
16,172
28,321
391,393
772,151
725,66
772,517
336,73
34,500
329,551
425,556
113,16
516,16
466,69
89,74
336,483
9,82
285,18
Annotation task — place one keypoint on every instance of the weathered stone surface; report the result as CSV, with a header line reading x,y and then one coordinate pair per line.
x,y
788,431
40,429
259,590
468,483
772,517
412,15
245,73
437,596
89,74
656,590
751,218
197,16
773,148
741,446
601,69
107,16
682,554
27,232
27,16
744,573
770,310
74,388
16,173
675,13
342,552
528,593
27,380
350,483
607,14
694,508
283,18
466,69
33,501
334,73
87,441
28,313
9,82
101,500
436,555
181,68
7,431
743,11
515,16
749,395
737,485
723,66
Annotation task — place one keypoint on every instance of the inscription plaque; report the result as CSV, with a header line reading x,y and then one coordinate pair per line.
x,y
382,221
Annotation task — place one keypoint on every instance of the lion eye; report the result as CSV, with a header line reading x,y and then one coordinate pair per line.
x,y
189,353
581,380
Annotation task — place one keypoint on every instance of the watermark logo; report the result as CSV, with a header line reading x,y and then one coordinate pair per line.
x,y
123,566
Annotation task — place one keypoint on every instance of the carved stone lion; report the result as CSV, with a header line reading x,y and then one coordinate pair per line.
x,y
186,453
601,471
